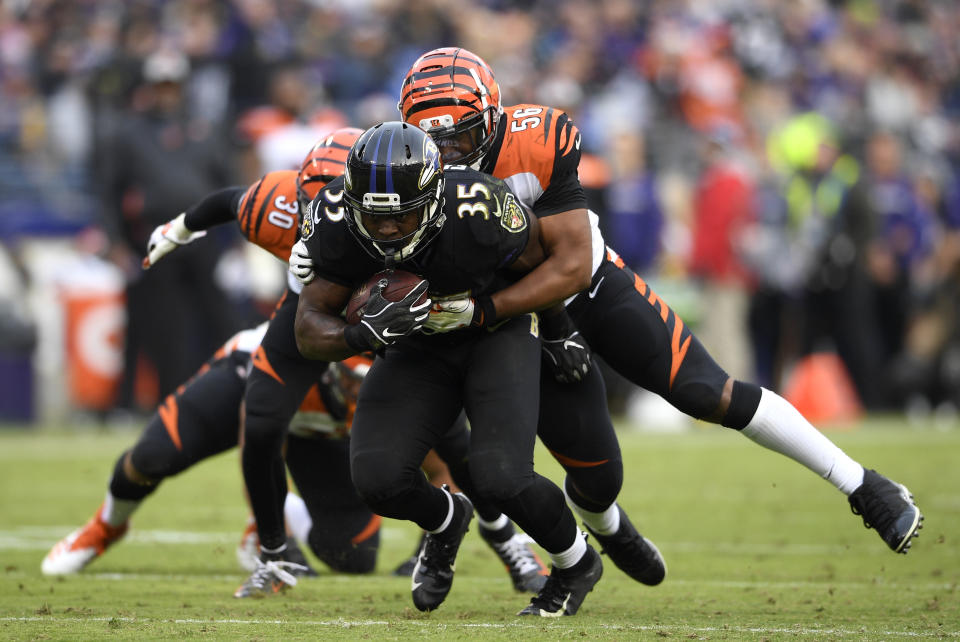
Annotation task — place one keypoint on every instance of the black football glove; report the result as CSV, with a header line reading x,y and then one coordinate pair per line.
x,y
383,322
565,351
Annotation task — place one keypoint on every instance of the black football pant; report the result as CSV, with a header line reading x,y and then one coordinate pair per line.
x,y
576,428
641,338
412,396
199,420
202,419
345,533
278,381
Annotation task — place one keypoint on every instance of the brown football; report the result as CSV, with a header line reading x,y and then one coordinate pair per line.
x,y
399,285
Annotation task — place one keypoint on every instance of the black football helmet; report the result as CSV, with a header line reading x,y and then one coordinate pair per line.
x,y
394,169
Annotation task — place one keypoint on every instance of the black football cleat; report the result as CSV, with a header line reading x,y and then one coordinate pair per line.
x,y
632,553
887,507
295,554
433,574
405,568
527,572
566,588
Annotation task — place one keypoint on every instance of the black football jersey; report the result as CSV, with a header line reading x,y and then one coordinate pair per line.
x,y
486,229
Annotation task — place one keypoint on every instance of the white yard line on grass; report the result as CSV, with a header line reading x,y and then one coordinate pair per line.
x,y
347,624
25,538
346,579
43,537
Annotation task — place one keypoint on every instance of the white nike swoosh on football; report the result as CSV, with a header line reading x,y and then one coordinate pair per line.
x,y
593,292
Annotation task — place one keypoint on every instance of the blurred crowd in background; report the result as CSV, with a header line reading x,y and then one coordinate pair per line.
x,y
785,174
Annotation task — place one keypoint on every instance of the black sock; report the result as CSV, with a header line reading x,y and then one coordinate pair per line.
x,y
122,487
500,535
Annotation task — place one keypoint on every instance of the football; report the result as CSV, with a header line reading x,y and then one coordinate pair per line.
x,y
399,285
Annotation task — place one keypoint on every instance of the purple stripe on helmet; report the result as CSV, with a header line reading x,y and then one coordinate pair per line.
x,y
373,161
389,187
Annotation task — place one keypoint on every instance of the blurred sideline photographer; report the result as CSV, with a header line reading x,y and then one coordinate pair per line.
x,y
154,161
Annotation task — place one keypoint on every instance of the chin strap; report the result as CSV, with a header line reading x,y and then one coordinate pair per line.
x,y
390,259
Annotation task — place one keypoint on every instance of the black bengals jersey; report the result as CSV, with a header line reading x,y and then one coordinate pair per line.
x,y
486,229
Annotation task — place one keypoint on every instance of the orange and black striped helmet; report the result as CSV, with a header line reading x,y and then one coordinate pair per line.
x,y
452,94
324,162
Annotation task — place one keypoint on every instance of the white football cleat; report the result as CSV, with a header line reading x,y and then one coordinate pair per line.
x,y
82,546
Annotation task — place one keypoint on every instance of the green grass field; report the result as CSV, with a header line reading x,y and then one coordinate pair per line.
x,y
757,548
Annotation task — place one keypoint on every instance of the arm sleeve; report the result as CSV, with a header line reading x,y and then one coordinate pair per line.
x,y
214,209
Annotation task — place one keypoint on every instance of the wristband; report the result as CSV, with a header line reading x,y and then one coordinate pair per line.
x,y
484,312
357,339
556,324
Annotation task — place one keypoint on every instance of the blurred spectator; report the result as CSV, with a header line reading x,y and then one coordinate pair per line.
x,y
634,220
18,338
155,161
70,75
900,256
723,205
280,133
807,253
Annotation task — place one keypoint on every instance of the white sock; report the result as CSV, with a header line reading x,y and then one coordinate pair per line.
x,y
779,426
449,518
569,557
605,523
298,517
116,511
495,525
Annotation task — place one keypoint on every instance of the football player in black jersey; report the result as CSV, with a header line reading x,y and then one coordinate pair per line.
x,y
463,232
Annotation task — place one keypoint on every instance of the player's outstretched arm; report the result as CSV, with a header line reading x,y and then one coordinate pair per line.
x,y
215,208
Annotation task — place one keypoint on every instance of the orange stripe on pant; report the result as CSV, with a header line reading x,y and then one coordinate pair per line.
x,y
678,350
261,363
372,527
576,463
168,412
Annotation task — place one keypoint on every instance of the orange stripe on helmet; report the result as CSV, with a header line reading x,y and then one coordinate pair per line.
x,y
325,161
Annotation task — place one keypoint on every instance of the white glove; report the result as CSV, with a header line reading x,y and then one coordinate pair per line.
x,y
167,238
300,263
450,314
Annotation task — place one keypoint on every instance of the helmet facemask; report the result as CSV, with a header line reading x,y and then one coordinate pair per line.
x,y
430,219
394,171
472,137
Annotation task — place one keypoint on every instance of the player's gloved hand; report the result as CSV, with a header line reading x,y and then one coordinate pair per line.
x,y
383,322
454,314
301,265
168,237
451,314
565,351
